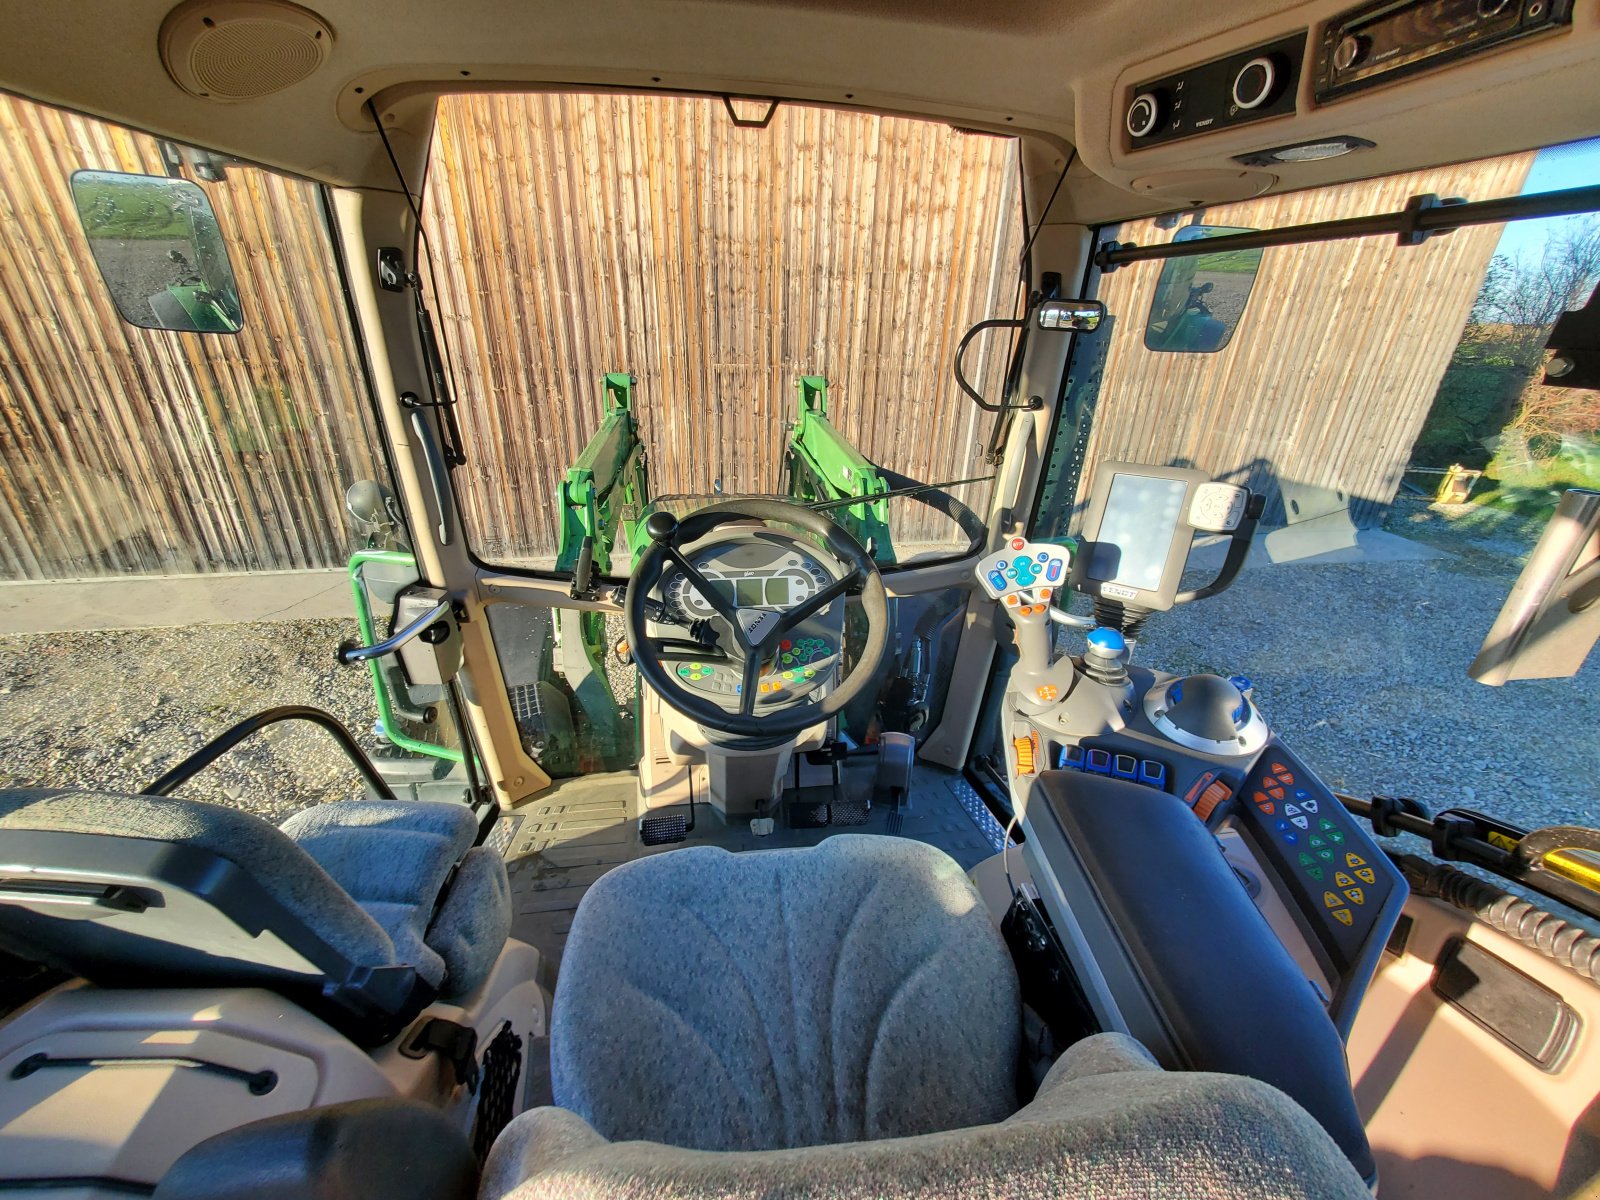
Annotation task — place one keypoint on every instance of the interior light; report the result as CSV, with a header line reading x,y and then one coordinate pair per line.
x,y
1300,152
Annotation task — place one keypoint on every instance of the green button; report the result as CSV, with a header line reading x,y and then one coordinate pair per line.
x,y
810,672
1305,859
1336,836
1324,824
684,671
1325,855
1316,843
1315,873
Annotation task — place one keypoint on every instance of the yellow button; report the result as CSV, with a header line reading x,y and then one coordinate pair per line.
x,y
1344,880
1331,900
1354,860
1366,876
1342,915
1356,895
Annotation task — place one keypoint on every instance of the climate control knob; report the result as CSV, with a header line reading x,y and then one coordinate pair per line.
x,y
1144,114
1256,83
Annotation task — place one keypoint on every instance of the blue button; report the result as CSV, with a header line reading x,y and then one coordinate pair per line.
x,y
1044,556
1125,766
1072,758
1053,571
1011,574
997,580
1281,826
1107,640
1099,762
1291,838
1001,565
1301,794
1153,773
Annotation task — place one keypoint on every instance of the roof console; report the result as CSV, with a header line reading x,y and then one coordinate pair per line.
x,y
1379,43
1249,85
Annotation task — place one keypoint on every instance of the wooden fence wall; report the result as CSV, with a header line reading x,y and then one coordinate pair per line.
x,y
127,450
1331,373
582,234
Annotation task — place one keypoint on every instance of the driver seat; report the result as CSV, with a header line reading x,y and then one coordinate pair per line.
x,y
843,1021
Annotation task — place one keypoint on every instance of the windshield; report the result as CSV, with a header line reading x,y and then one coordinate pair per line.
x,y
786,301
1388,403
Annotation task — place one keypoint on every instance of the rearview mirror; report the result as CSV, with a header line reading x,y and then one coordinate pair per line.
x,y
1076,316
159,250
1198,300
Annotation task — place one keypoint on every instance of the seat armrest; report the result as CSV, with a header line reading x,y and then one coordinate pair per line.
x,y
362,1150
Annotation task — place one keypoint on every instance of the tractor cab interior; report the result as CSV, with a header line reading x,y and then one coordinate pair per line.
x,y
797,815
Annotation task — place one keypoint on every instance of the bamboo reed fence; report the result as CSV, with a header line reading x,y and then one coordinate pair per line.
x,y
134,451
582,234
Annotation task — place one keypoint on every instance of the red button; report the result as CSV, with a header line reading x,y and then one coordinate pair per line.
x,y
1268,807
1017,543
783,645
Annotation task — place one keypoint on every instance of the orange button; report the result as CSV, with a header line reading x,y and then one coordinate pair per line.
x,y
1012,601
1044,593
1210,798
1047,692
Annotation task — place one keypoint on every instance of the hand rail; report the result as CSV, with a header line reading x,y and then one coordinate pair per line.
x,y
349,653
226,741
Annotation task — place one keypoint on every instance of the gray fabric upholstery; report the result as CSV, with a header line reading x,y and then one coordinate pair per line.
x,y
850,991
473,921
271,857
1106,1123
364,874
392,857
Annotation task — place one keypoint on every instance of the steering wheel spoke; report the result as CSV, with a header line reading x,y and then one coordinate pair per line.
x,y
747,687
811,607
718,602
684,650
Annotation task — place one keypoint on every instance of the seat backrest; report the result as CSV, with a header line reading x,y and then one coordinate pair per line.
x,y
1107,1121
154,889
856,989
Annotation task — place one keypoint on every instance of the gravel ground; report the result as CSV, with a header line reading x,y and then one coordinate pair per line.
x,y
113,710
1362,669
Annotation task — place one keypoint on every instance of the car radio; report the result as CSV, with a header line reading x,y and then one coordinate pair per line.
x,y
1381,42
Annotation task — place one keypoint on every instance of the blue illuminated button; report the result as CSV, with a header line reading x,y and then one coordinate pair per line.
x,y
1152,774
1125,766
1072,758
1044,556
1053,571
1002,564
1109,641
1011,574
997,580
1099,762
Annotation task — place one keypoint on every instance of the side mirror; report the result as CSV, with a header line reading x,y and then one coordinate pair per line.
x,y
160,251
1074,316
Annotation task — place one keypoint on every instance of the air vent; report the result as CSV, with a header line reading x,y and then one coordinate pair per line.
x,y
232,50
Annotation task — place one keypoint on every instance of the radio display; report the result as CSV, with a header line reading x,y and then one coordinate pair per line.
x,y
1142,513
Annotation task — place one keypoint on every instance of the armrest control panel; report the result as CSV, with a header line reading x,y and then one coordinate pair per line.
x,y
1342,884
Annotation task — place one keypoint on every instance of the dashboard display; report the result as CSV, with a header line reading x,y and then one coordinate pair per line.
x,y
753,591
1142,513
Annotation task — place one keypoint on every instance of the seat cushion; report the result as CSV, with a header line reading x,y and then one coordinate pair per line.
x,y
393,858
851,991
1106,1122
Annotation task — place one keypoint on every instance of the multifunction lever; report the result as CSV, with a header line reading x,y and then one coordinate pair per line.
x,y
1023,576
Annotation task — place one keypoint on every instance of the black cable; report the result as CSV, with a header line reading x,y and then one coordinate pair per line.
x,y
427,246
1027,247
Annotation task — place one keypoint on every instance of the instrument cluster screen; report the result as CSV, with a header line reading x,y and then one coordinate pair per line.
x,y
752,591
1142,515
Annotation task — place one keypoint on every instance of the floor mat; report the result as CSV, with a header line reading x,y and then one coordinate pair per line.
x,y
566,838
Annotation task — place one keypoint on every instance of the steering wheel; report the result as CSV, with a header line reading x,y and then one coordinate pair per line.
x,y
751,650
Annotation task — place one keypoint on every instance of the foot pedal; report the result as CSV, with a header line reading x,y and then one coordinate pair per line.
x,y
849,812
659,831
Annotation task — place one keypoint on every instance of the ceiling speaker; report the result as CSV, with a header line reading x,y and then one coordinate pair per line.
x,y
230,50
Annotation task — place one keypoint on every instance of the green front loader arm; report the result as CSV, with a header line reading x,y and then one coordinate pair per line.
x,y
606,489
822,466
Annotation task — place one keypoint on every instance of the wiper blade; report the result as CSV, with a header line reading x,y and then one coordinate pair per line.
x,y
893,493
